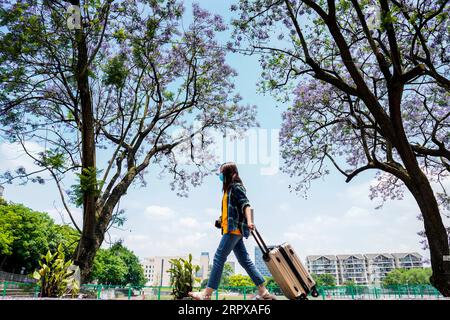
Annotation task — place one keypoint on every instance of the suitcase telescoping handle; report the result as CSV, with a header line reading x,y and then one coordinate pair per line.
x,y
260,242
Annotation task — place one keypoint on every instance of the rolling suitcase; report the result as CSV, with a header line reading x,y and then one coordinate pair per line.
x,y
287,270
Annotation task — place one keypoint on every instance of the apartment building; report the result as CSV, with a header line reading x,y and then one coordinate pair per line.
x,y
378,265
370,268
326,264
352,267
408,260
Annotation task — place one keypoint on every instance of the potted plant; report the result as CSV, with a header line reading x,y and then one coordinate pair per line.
x,y
182,277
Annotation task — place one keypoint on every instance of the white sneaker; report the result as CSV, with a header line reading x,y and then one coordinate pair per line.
x,y
265,296
199,296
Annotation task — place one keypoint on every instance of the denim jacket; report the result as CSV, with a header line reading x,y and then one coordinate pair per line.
x,y
237,201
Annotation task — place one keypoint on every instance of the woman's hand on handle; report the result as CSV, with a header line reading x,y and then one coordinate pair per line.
x,y
251,226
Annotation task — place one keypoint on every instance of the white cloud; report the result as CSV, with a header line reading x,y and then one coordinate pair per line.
x,y
193,240
188,222
356,227
155,211
13,156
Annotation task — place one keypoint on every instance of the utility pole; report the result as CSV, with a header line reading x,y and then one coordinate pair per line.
x,y
162,270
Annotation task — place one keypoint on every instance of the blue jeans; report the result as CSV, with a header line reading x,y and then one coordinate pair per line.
x,y
235,243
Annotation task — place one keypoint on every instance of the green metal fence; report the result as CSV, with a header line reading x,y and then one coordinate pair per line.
x,y
385,292
9,289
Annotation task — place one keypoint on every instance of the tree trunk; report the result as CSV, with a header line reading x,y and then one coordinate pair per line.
x,y
435,231
3,262
87,246
420,187
86,251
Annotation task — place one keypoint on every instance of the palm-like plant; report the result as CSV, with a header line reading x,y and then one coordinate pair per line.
x,y
56,276
182,276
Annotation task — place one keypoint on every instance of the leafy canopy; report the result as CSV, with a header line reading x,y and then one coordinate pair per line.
x,y
26,234
118,266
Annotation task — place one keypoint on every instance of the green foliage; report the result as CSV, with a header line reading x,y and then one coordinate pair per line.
x,y
239,280
24,38
182,276
152,25
414,276
344,4
226,273
273,286
224,279
6,235
388,18
349,283
325,279
108,268
119,266
116,71
120,35
87,184
270,282
56,279
26,234
53,159
168,95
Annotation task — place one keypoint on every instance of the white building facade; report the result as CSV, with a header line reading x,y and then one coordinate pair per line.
x,y
408,260
156,268
204,266
362,269
378,266
323,265
352,268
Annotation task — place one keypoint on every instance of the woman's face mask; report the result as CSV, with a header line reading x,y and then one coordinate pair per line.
x,y
221,176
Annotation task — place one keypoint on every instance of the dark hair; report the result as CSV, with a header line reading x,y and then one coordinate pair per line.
x,y
230,175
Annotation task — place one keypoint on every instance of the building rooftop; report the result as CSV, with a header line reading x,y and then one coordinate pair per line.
x,y
374,255
346,256
316,257
402,255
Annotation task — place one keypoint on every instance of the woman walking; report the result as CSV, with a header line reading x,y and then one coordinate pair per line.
x,y
236,221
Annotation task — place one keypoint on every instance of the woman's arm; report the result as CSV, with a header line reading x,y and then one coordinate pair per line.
x,y
248,216
244,205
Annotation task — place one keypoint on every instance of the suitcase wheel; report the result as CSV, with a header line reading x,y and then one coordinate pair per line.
x,y
302,297
314,292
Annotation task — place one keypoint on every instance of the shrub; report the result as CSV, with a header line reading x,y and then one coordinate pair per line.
x,y
182,276
56,276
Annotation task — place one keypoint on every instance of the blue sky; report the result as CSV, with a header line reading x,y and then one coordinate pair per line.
x,y
335,218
